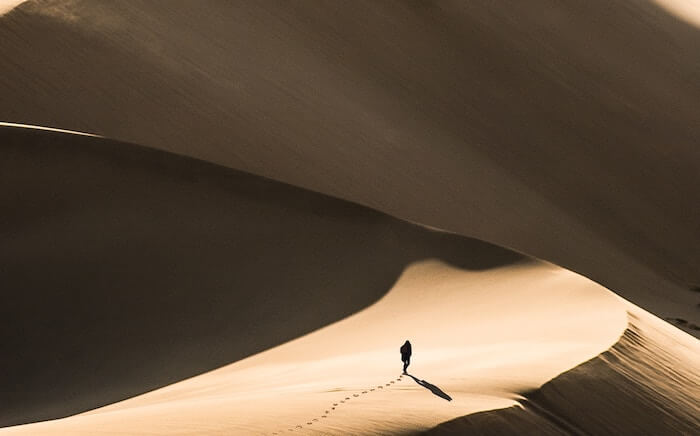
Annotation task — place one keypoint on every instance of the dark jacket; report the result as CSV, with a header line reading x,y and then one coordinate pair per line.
x,y
406,350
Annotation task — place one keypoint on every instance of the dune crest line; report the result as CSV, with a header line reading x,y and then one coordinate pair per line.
x,y
645,383
48,129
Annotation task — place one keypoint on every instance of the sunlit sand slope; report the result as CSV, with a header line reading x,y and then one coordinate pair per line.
x,y
566,130
648,383
480,338
125,269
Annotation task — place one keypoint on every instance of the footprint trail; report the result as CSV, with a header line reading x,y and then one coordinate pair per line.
x,y
336,405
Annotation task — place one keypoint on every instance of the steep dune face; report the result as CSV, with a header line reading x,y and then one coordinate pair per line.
x,y
647,383
125,269
566,130
479,339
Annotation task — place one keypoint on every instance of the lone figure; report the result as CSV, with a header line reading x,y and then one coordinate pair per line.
x,y
406,355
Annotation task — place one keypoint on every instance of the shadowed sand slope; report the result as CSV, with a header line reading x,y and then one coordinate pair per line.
x,y
646,384
567,130
129,269
125,269
479,339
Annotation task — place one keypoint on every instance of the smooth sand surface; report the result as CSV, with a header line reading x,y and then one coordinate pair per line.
x,y
646,384
566,130
482,338
113,255
126,269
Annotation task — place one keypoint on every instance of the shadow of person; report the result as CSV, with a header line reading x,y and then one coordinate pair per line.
x,y
432,388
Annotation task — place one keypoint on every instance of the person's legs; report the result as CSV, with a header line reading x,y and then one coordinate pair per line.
x,y
406,361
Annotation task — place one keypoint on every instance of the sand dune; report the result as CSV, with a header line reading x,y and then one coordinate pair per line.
x,y
688,10
181,286
131,269
481,337
48,129
565,130
651,362
482,340
8,5
127,269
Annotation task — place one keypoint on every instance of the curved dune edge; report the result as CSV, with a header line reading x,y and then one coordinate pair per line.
x,y
355,101
128,269
647,383
479,338
47,129
688,10
484,332
7,5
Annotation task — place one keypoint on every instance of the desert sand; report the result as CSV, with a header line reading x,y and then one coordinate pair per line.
x,y
128,269
476,334
481,337
489,327
226,217
564,130
688,10
8,5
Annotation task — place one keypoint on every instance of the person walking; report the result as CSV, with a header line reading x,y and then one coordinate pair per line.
x,y
406,355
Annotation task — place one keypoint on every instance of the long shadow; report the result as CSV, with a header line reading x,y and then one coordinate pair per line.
x,y
431,387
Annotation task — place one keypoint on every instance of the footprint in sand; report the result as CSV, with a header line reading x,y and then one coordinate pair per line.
x,y
327,412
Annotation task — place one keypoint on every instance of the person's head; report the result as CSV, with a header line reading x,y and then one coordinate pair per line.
x,y
406,343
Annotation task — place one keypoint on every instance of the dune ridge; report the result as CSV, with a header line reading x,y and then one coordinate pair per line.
x,y
253,264
48,129
483,291
127,269
8,5
565,130
639,386
479,337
